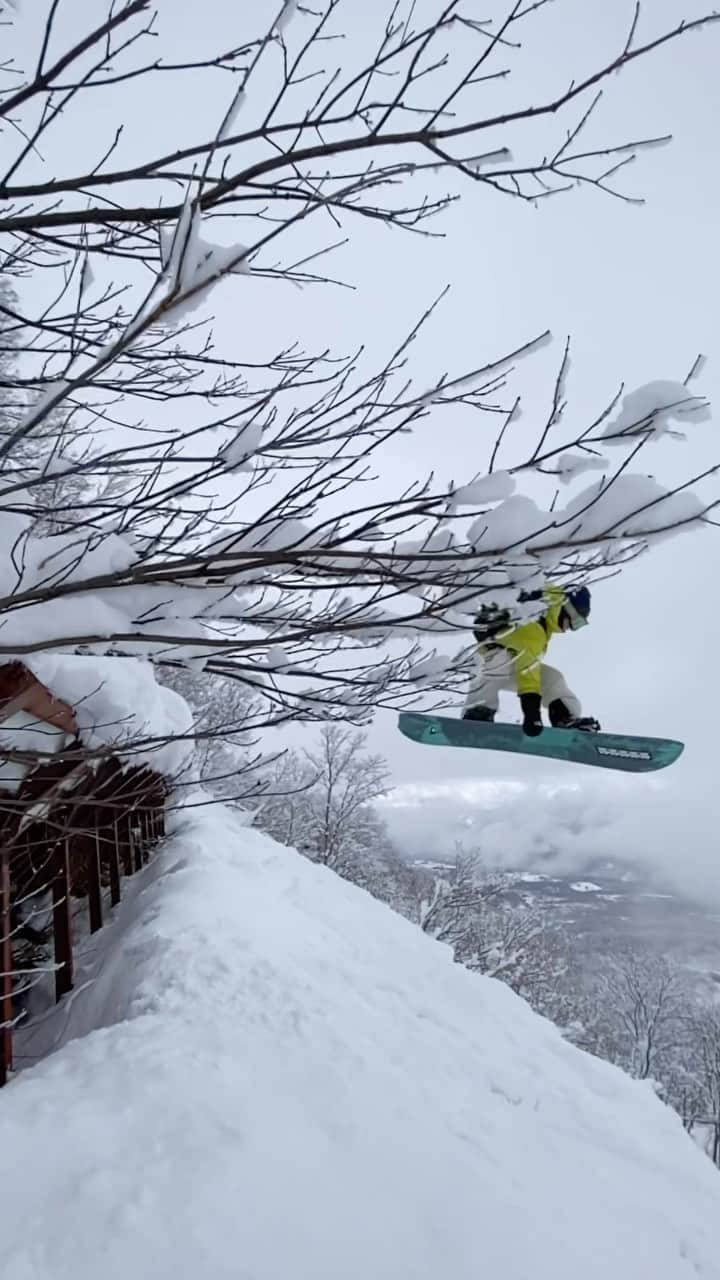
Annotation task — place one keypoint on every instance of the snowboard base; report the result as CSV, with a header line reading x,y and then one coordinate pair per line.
x,y
624,752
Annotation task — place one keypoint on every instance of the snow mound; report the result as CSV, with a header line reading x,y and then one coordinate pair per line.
x,y
286,1079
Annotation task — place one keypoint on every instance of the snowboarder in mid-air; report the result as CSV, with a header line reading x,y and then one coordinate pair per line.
x,y
510,653
510,657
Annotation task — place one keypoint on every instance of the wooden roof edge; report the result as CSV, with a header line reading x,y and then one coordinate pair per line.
x,y
20,690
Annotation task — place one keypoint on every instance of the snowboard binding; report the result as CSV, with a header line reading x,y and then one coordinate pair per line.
x,y
561,718
586,724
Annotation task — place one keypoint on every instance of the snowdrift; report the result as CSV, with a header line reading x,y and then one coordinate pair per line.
x,y
272,1076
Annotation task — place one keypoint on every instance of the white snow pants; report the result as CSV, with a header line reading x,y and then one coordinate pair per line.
x,y
494,673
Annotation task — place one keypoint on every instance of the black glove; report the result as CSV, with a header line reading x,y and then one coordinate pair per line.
x,y
532,720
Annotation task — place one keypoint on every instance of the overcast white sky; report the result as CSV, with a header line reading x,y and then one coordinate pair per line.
x,y
637,289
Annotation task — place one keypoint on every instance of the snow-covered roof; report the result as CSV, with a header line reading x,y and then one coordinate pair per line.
x,y
117,702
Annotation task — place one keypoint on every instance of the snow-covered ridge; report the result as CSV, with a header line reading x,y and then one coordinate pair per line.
x,y
291,1080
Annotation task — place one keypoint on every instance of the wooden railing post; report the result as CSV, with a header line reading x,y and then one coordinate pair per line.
x,y
124,838
91,843
62,929
136,830
110,839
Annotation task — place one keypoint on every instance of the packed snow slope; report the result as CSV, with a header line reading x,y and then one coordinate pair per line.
x,y
287,1080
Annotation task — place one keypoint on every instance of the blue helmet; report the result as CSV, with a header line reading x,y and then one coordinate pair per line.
x,y
577,605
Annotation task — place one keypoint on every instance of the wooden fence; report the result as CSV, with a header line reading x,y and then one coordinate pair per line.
x,y
73,831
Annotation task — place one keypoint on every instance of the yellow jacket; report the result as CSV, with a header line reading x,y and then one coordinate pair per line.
x,y
529,641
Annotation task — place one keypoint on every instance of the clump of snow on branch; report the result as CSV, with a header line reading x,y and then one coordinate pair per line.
x,y
232,114
629,507
270,535
427,670
435,543
38,567
513,524
478,163
238,454
621,507
570,465
528,571
285,16
654,408
192,265
495,487
277,658
88,275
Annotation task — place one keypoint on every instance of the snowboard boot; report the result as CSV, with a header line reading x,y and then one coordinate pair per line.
x,y
560,718
479,713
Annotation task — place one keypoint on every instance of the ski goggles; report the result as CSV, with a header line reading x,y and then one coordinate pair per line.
x,y
577,619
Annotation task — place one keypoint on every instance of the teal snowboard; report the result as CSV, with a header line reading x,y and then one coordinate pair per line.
x,y
604,750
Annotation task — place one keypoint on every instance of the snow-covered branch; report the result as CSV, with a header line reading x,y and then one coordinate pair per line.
x,y
162,499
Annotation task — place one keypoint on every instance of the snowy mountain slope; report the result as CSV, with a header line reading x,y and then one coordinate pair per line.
x,y
289,1080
